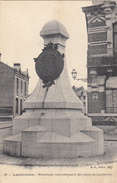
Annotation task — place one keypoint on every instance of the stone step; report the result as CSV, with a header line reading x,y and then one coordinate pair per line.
x,y
12,145
37,142
57,138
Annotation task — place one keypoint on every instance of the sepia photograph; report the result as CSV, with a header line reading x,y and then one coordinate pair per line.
x,y
58,91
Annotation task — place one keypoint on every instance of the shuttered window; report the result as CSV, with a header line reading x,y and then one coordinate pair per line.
x,y
111,101
115,37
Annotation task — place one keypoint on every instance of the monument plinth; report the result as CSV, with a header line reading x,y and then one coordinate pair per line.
x,y
53,125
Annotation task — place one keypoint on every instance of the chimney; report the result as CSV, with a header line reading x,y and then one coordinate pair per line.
x,y
17,66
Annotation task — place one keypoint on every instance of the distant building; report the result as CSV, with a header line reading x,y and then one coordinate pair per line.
x,y
82,94
13,90
101,21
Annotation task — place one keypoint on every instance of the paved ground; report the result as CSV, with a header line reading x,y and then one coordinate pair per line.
x,y
109,156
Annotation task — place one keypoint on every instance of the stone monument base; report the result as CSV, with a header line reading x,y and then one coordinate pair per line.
x,y
54,134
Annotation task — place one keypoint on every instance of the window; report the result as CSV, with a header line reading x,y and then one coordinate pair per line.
x,y
16,106
17,83
21,85
25,86
20,106
95,95
111,101
115,37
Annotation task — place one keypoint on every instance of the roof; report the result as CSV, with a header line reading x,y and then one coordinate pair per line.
x,y
5,65
25,73
99,4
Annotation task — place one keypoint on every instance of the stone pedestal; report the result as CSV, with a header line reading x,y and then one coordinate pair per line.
x,y
53,125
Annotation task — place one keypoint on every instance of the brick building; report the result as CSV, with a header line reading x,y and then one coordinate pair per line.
x,y
101,20
13,90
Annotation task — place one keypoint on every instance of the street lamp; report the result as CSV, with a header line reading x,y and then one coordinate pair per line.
x,y
74,75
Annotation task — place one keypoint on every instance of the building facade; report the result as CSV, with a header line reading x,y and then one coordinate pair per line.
x,y
13,90
82,95
101,20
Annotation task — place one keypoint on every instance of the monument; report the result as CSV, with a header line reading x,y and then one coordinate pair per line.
x,y
53,125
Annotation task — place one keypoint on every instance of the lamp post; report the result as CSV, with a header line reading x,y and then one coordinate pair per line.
x,y
74,75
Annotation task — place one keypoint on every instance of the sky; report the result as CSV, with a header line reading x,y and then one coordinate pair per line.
x,y
20,41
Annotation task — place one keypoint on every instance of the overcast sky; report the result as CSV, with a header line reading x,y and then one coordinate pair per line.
x,y
21,23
